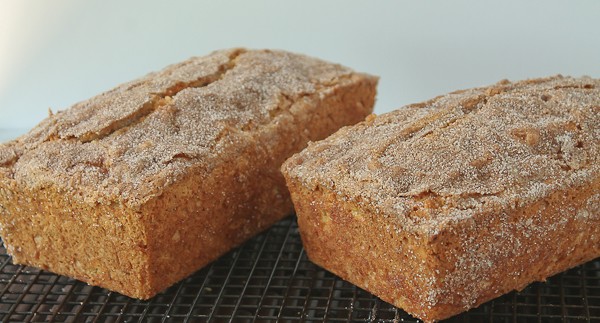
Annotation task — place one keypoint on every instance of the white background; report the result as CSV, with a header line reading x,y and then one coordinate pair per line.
x,y
55,53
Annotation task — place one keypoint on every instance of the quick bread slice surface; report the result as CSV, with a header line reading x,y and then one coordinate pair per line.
x,y
440,206
138,187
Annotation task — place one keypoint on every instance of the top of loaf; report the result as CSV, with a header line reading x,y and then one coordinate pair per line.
x,y
128,143
504,145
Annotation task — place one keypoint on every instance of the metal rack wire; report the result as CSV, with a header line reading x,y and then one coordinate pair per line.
x,y
270,279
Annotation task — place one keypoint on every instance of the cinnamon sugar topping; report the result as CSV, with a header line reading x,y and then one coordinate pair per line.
x,y
507,144
127,144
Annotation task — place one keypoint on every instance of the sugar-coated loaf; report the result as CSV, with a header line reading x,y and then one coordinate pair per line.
x,y
440,206
138,187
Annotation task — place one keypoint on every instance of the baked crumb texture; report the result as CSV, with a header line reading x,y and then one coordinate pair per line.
x,y
140,186
441,206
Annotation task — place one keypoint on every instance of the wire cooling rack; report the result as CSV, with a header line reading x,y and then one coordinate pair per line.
x,y
270,279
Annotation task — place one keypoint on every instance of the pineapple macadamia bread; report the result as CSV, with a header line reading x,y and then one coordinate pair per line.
x,y
440,206
140,186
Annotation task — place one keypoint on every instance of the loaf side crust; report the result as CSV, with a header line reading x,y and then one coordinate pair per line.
x,y
434,278
466,183
140,186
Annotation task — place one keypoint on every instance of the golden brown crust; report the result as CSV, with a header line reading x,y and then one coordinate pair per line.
x,y
461,196
170,171
434,278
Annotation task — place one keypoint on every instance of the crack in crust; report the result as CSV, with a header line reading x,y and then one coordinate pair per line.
x,y
160,100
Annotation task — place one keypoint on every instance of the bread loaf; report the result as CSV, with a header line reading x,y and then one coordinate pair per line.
x,y
140,186
440,206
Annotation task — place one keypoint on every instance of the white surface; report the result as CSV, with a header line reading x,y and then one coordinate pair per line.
x,y
55,53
